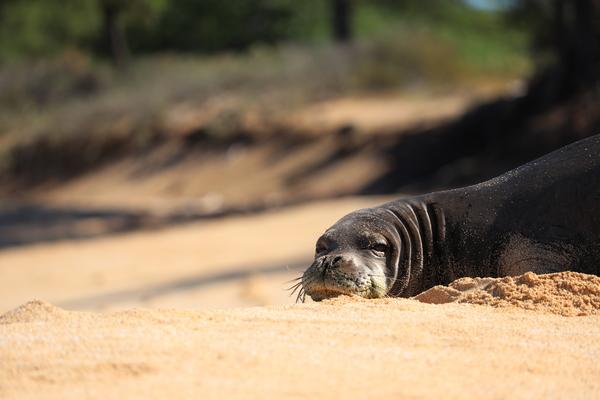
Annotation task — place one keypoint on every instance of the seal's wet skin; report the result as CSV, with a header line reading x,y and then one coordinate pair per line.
x,y
543,217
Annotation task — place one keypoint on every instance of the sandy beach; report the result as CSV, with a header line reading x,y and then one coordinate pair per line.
x,y
345,348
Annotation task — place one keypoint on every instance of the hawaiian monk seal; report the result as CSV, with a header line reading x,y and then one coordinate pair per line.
x,y
543,217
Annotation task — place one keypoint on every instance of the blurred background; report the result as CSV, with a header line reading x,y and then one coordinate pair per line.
x,y
188,153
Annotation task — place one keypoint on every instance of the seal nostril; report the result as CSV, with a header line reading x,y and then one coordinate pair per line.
x,y
336,260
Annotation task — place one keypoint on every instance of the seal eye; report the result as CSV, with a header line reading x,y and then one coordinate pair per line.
x,y
320,248
378,247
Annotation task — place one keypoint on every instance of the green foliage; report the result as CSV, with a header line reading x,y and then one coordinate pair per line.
x,y
481,42
211,25
35,28
40,27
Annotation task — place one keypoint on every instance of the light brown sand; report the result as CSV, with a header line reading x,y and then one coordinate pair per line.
x,y
564,293
346,348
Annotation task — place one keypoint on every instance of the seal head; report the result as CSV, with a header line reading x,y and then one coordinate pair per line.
x,y
356,256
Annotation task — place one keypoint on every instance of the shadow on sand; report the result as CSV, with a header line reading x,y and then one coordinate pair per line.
x,y
196,282
27,224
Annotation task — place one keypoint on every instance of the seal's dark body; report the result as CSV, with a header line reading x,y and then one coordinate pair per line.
x,y
543,216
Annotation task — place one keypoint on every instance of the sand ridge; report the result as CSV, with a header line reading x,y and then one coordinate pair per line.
x,y
563,293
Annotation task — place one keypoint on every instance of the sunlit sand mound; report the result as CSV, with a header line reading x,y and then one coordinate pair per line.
x,y
35,310
563,293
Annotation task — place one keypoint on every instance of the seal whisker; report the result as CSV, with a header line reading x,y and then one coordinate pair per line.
x,y
295,284
298,288
305,282
295,288
294,280
301,296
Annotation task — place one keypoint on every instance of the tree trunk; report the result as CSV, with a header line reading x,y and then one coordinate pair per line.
x,y
115,41
341,20
577,44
